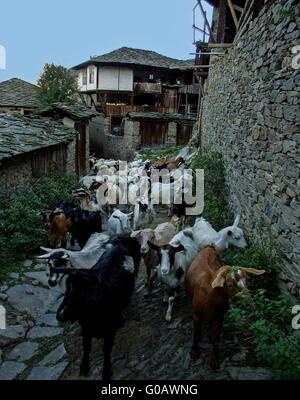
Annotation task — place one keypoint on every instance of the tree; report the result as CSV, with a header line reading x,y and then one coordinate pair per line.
x,y
57,84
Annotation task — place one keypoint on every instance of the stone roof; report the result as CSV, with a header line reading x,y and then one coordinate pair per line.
x,y
127,55
19,134
139,115
76,110
18,93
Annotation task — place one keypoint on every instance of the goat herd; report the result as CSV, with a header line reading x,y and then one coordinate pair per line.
x,y
99,274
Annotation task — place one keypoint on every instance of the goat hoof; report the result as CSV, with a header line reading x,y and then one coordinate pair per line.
x,y
147,294
84,370
168,318
215,365
106,376
195,354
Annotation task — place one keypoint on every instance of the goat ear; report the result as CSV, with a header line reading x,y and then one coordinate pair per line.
x,y
219,280
188,233
253,271
237,220
153,246
179,248
135,234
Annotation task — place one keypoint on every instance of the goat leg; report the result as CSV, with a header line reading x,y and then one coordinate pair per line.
x,y
151,275
170,306
107,348
216,328
87,346
195,351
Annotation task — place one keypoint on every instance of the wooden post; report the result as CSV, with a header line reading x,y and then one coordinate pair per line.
x,y
221,22
236,22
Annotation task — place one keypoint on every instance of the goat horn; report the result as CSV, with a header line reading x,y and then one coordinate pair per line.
x,y
253,271
44,256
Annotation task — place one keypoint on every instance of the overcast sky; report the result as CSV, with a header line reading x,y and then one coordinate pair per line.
x,y
68,32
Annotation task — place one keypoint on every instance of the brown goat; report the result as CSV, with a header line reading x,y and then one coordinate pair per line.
x,y
210,286
175,164
59,227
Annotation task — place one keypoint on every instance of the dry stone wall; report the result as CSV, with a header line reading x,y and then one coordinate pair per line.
x,y
251,114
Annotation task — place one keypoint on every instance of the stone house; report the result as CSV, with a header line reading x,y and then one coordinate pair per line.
x,y
33,146
146,129
18,96
77,116
130,80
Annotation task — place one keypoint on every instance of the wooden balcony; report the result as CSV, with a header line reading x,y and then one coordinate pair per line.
x,y
147,87
123,109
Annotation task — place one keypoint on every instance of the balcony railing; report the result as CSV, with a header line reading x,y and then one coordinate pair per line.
x,y
123,109
147,87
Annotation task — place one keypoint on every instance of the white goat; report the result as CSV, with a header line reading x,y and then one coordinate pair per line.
x,y
143,214
175,259
159,236
118,222
85,258
204,235
168,192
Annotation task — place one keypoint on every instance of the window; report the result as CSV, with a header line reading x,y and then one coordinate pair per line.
x,y
84,77
91,75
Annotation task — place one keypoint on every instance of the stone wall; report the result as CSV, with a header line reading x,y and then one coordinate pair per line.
x,y
71,157
251,114
18,170
120,147
106,145
132,139
14,172
171,134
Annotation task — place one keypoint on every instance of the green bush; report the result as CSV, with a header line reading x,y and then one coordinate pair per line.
x,y
21,223
216,209
261,253
269,321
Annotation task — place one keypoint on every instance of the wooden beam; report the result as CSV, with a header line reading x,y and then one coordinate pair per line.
x,y
206,21
221,21
243,28
219,45
200,30
238,8
201,66
236,22
248,5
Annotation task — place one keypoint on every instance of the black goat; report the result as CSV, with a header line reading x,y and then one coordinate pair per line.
x,y
83,224
96,297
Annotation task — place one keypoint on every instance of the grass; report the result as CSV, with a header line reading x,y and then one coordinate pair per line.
x,y
156,153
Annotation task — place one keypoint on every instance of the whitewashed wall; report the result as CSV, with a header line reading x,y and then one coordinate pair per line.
x,y
115,78
110,78
88,86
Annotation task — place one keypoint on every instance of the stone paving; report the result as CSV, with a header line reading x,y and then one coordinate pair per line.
x,y
35,346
